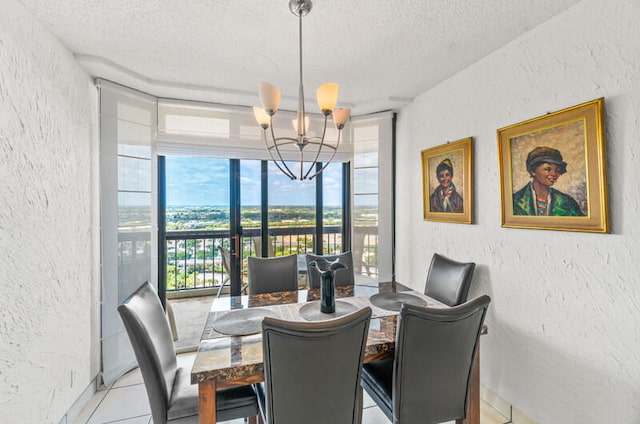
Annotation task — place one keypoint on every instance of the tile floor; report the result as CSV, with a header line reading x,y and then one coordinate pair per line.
x,y
126,403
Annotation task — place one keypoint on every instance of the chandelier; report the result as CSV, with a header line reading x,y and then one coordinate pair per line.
x,y
327,96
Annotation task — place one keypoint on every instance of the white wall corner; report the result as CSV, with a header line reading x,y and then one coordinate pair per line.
x,y
79,405
516,415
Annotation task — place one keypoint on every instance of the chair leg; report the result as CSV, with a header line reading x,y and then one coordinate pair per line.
x,y
224,282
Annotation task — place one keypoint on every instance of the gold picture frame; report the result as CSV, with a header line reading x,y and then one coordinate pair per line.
x,y
448,200
552,171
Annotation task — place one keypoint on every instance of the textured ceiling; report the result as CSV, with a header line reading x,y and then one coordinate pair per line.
x,y
382,53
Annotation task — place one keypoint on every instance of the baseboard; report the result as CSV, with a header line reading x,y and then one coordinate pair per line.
x,y
504,407
80,403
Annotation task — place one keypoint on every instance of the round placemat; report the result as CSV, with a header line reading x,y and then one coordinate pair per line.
x,y
394,301
242,322
311,311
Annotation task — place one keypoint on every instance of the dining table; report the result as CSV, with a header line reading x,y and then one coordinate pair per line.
x,y
230,349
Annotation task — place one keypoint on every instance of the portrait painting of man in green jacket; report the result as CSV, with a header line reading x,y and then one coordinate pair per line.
x,y
545,165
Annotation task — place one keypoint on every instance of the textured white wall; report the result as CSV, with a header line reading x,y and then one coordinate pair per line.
x,y
48,234
564,338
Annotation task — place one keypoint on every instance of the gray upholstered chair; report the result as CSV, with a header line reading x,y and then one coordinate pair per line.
x,y
448,281
172,397
312,369
427,380
342,277
268,275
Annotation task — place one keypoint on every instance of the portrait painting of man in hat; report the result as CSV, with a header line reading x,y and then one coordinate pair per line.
x,y
552,171
545,165
445,198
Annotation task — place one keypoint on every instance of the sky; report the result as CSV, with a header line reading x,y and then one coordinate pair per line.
x,y
203,181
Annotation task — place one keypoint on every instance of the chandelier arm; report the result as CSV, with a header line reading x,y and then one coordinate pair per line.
x,y
291,141
286,172
330,159
315,160
289,173
328,146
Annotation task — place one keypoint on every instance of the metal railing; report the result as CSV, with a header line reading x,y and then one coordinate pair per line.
x,y
194,262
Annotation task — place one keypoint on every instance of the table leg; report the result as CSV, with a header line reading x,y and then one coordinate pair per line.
x,y
360,403
473,413
207,399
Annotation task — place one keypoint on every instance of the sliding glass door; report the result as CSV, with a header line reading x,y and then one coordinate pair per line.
x,y
241,208
291,213
197,222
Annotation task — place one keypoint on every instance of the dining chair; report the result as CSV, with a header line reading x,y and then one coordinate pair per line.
x,y
172,397
257,246
312,369
225,259
427,380
268,275
448,281
343,277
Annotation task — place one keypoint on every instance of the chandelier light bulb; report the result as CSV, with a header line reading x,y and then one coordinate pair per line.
x,y
262,118
327,95
270,97
296,127
340,117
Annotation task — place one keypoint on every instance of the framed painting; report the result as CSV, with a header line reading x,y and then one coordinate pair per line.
x,y
552,171
447,182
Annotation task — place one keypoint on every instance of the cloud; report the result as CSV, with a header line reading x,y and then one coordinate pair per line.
x,y
203,181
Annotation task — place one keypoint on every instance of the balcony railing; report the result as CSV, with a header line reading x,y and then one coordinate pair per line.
x,y
194,262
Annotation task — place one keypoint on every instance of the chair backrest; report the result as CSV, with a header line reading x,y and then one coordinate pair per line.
x,y
435,350
448,281
342,277
149,333
268,275
312,369
226,259
257,246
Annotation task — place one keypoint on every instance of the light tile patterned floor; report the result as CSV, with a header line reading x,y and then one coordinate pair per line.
x,y
126,403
